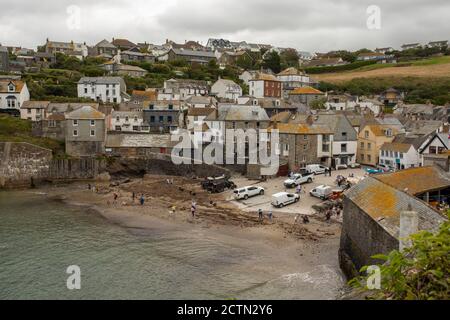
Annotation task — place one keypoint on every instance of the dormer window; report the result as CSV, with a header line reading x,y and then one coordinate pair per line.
x,y
11,87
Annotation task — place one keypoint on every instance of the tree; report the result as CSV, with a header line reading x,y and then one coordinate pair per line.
x,y
318,104
272,61
289,58
421,272
245,62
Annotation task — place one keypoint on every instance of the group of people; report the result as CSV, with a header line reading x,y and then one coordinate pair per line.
x,y
335,210
261,215
304,217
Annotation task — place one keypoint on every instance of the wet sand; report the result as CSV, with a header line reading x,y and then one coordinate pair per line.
x,y
294,252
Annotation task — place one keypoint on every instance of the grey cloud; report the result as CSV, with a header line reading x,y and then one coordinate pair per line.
x,y
319,25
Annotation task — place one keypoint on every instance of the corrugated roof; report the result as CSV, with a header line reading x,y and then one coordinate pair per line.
x,y
416,181
305,90
384,204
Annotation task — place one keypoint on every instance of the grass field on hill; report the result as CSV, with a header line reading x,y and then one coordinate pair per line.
x,y
433,67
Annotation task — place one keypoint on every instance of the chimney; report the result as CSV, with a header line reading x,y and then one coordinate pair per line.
x,y
409,224
310,120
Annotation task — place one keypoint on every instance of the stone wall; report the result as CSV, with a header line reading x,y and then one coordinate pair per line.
x,y
23,164
361,238
158,163
76,169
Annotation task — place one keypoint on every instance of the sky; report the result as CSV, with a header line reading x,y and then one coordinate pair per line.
x,y
313,25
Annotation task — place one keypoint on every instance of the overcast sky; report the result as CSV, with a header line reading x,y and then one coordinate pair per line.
x,y
314,25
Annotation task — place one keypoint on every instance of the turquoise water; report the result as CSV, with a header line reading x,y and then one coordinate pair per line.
x,y
39,239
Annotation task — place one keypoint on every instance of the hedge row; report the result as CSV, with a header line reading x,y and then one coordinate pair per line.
x,y
345,67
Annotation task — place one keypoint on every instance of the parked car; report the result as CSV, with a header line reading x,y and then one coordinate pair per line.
x,y
247,192
355,165
282,199
341,166
210,180
298,178
322,192
385,167
316,168
373,170
220,186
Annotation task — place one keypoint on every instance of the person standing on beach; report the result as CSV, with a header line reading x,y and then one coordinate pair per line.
x,y
142,200
115,198
193,208
260,214
269,214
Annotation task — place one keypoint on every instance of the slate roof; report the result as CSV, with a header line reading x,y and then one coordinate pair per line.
x,y
416,181
195,112
197,53
35,105
129,140
383,203
239,113
305,90
4,86
393,146
105,44
85,113
301,128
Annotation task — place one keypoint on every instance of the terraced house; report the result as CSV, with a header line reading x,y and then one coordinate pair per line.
x,y
104,89
370,140
13,93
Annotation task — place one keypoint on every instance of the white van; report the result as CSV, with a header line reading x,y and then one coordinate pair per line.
x,y
282,199
322,192
316,168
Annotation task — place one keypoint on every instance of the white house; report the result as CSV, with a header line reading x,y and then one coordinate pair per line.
x,y
227,89
34,110
13,93
246,76
293,78
105,89
128,121
399,156
436,144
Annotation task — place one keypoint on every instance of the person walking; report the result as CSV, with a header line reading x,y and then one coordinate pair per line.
x,y
133,196
193,208
260,214
142,200
115,197
269,214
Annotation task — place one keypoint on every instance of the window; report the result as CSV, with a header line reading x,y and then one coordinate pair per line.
x,y
369,157
135,118
366,134
170,106
369,146
51,123
344,147
135,128
325,148
151,107
362,145
75,133
118,128
305,147
117,118
92,123
85,91
305,137
11,102
152,118
344,135
127,119
92,133
362,157
11,88
169,118
29,111
161,119
401,155
433,150
75,123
